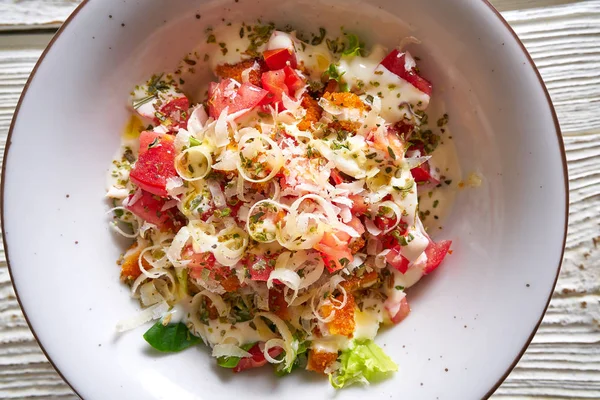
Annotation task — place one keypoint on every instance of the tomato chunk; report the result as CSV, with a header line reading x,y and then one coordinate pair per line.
x,y
149,208
260,266
257,359
280,58
176,112
217,272
397,260
359,206
402,313
395,62
292,80
228,93
422,174
155,164
274,82
436,252
335,251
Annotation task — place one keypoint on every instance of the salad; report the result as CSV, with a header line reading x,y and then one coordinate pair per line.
x,y
277,219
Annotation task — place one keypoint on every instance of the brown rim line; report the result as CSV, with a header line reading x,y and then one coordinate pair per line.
x,y
561,145
6,149
486,2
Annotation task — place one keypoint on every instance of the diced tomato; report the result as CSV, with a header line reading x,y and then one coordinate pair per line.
x,y
397,260
155,164
260,266
402,130
257,359
280,58
199,261
147,138
274,82
336,177
277,303
390,141
384,223
292,80
217,272
359,206
357,225
335,251
395,62
227,93
436,252
402,313
177,111
149,208
422,174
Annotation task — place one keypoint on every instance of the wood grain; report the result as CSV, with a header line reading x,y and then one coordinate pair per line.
x,y
564,359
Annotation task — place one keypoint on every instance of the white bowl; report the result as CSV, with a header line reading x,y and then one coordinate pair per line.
x,y
471,320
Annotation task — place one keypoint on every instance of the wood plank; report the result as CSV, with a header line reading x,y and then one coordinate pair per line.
x,y
564,359
44,14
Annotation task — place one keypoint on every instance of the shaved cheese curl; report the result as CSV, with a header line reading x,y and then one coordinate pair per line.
x,y
288,278
274,156
194,163
229,350
254,221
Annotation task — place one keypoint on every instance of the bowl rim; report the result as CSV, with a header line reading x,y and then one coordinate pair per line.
x,y
485,2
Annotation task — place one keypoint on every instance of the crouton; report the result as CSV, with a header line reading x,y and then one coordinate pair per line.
x,y
345,99
343,323
364,281
234,71
344,125
356,244
130,268
313,112
318,360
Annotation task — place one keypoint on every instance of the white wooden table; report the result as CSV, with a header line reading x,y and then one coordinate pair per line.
x,y
563,36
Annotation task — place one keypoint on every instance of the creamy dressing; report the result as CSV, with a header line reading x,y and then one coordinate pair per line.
x,y
375,80
446,167
366,324
240,333
330,344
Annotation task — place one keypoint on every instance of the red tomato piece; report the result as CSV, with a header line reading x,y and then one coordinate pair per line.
x,y
336,177
422,173
260,266
227,93
395,62
147,138
436,252
149,208
384,223
359,206
201,261
274,82
402,130
402,313
280,58
335,251
177,111
397,260
357,225
292,80
155,165
258,358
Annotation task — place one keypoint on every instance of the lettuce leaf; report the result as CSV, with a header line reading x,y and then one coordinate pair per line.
x,y
362,362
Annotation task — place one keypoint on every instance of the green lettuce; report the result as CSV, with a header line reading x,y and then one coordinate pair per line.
x,y
362,362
